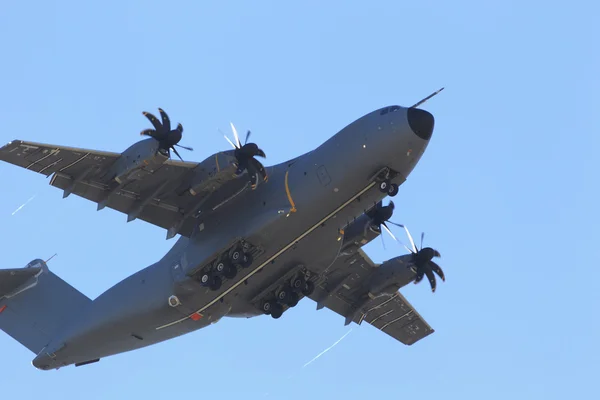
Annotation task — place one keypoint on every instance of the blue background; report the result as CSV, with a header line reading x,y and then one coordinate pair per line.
x,y
507,190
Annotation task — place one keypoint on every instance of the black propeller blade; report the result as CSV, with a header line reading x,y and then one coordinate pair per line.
x,y
379,215
246,161
166,137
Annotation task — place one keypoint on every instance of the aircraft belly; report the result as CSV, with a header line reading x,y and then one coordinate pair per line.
x,y
323,191
123,318
317,251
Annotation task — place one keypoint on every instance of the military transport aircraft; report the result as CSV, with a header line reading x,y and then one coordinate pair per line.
x,y
253,240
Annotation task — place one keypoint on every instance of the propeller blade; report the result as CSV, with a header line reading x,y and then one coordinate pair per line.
x,y
412,242
436,253
260,153
371,213
235,134
149,132
185,147
436,268
257,165
422,236
419,276
385,213
388,231
153,120
175,150
431,278
394,237
166,122
247,137
253,172
230,142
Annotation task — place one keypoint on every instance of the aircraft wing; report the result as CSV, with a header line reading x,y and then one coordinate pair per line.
x,y
161,198
343,293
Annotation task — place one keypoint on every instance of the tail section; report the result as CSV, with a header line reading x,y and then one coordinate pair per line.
x,y
35,303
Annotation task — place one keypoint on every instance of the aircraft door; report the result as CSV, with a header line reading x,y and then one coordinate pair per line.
x,y
323,175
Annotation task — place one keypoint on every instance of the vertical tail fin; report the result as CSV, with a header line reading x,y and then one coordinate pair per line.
x,y
35,303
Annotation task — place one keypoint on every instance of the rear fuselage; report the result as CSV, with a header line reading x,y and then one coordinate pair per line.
x,y
295,218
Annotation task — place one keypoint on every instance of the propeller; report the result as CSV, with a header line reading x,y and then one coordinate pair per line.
x,y
379,216
166,137
245,155
423,261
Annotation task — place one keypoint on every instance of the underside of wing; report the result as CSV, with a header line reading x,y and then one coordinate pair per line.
x,y
397,317
345,291
164,192
48,159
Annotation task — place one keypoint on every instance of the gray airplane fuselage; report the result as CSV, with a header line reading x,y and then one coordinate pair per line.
x,y
295,217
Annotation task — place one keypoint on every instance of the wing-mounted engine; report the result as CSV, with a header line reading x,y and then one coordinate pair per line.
x,y
366,227
390,276
245,158
138,161
146,156
212,173
387,278
217,171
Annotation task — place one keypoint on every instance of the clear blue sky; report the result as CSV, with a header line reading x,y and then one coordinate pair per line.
x,y
506,190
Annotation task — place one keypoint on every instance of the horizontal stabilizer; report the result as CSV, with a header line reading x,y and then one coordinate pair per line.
x,y
13,280
35,304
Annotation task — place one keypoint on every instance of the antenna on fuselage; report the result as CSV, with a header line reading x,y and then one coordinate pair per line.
x,y
55,254
426,98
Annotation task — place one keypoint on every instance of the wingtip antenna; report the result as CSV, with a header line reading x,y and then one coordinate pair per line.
x,y
427,98
55,254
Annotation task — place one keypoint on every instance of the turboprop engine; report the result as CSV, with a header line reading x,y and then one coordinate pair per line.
x,y
146,156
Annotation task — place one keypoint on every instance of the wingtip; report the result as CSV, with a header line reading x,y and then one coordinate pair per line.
x,y
12,142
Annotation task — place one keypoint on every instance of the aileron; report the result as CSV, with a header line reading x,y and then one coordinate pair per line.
x,y
48,159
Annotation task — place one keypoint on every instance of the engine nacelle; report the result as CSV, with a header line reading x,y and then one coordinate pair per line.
x,y
358,233
392,275
139,160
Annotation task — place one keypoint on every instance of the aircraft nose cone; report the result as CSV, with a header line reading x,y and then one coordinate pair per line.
x,y
421,122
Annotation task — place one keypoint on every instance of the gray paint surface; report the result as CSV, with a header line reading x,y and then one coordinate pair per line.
x,y
305,222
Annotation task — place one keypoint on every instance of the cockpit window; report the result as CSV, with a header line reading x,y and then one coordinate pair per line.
x,y
389,109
